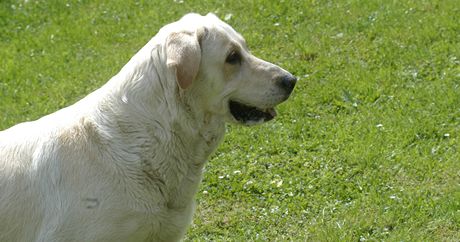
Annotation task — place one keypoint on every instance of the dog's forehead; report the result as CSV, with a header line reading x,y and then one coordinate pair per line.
x,y
212,23
223,26
195,20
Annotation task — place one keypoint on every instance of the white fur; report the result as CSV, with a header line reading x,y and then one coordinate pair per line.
x,y
124,163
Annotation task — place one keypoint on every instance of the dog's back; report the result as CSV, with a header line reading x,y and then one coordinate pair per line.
x,y
18,191
31,172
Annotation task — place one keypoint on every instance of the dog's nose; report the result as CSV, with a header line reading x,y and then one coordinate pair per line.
x,y
287,82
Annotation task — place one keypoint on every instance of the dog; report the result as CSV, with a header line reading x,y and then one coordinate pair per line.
x,y
124,163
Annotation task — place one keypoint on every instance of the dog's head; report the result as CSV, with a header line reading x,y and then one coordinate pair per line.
x,y
212,62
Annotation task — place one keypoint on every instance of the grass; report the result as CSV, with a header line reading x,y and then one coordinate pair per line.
x,y
367,148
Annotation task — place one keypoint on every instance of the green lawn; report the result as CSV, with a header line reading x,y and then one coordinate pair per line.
x,y
366,149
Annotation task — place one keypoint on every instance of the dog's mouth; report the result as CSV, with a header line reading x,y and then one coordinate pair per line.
x,y
250,115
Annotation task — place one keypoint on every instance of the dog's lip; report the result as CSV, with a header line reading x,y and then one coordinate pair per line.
x,y
245,113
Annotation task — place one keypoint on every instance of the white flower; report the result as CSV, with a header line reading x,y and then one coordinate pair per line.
x,y
228,16
278,182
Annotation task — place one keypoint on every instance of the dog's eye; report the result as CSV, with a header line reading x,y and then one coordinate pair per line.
x,y
233,58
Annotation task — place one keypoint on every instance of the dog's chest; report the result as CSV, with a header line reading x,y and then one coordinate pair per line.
x,y
173,169
172,162
187,153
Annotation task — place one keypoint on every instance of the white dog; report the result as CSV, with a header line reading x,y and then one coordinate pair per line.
x,y
124,163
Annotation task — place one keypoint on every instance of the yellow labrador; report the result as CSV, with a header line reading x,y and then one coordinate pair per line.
x,y
124,163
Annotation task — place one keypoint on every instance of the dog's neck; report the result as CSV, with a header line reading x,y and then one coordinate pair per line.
x,y
150,97
168,140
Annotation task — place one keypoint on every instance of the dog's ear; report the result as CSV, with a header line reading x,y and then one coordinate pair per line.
x,y
184,56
